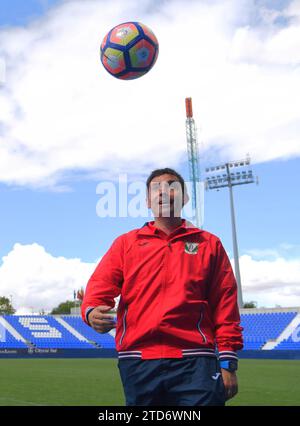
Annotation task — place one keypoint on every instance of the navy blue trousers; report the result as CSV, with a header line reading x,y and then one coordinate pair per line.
x,y
188,381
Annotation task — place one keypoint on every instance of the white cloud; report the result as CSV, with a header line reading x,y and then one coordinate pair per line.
x,y
60,110
2,71
271,282
293,11
284,250
270,43
263,253
37,280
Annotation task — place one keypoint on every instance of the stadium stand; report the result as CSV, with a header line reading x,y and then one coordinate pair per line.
x,y
261,327
103,340
46,332
266,332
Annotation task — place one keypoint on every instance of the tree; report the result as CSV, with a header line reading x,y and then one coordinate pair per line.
x,y
63,308
250,305
6,307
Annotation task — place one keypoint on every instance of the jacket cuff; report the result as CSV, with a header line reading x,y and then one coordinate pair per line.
x,y
228,356
87,312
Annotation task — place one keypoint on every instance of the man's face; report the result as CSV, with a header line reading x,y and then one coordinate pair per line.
x,y
165,196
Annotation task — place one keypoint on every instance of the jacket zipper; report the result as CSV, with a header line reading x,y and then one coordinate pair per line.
x,y
199,329
124,326
162,295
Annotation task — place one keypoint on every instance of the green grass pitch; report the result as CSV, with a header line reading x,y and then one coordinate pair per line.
x,y
96,382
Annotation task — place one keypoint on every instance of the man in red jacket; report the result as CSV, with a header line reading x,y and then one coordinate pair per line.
x,y
178,324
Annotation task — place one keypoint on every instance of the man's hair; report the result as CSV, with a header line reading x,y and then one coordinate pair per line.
x,y
166,170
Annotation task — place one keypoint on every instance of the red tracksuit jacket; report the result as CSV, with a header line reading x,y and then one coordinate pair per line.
x,y
178,294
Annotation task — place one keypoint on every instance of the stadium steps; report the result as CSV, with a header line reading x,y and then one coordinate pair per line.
x,y
95,344
30,344
75,332
287,332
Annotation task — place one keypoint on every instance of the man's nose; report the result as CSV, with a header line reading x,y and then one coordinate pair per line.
x,y
165,197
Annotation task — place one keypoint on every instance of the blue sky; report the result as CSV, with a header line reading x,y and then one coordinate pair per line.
x,y
20,12
66,223
55,208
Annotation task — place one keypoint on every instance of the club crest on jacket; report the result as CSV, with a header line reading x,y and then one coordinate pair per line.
x,y
191,248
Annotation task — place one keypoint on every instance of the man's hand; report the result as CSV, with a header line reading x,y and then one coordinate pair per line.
x,y
230,382
100,321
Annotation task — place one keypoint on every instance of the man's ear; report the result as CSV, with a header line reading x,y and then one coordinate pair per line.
x,y
185,198
148,201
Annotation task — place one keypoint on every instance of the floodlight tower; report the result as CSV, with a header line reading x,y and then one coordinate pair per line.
x,y
222,176
193,160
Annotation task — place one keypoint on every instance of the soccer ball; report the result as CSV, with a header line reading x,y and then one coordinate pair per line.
x,y
129,50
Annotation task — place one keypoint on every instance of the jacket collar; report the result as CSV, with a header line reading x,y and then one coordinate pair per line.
x,y
186,228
